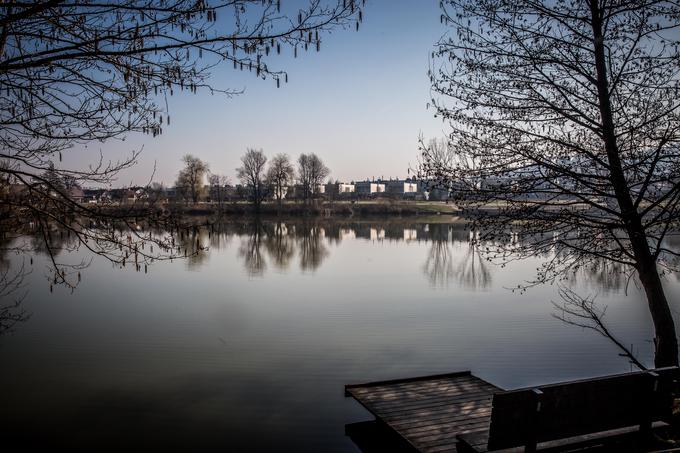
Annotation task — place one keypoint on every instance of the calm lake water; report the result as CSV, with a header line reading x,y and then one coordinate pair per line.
x,y
247,346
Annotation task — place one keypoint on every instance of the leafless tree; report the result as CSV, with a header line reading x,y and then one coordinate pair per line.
x,y
311,173
280,176
73,74
218,185
565,126
191,178
251,174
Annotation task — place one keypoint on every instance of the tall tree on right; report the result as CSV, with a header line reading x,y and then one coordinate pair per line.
x,y
311,173
565,117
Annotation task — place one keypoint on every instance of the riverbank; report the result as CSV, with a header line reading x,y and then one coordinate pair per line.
x,y
364,208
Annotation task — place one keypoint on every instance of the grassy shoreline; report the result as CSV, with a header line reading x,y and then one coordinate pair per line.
x,y
344,209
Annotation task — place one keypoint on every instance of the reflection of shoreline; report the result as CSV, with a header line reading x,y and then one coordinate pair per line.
x,y
453,256
279,242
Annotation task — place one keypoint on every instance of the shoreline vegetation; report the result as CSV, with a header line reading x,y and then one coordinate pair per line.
x,y
346,209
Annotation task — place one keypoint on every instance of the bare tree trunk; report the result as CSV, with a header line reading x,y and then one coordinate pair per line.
x,y
666,343
257,194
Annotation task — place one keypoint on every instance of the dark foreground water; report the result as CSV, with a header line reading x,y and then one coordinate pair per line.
x,y
247,346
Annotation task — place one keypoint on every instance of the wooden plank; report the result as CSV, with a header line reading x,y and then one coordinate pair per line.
x,y
476,401
429,411
411,379
450,391
416,403
421,431
430,388
436,412
419,425
439,419
394,398
416,398
449,433
421,384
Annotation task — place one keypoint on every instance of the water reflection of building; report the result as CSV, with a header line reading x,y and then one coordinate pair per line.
x,y
451,258
347,233
410,234
362,231
377,234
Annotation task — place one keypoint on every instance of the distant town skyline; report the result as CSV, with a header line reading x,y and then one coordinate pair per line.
x,y
359,104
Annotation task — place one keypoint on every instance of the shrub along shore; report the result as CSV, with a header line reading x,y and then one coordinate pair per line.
x,y
372,208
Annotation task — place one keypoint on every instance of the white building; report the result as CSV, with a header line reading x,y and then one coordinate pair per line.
x,y
369,188
346,188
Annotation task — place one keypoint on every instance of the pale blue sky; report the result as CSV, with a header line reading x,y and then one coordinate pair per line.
x,y
359,104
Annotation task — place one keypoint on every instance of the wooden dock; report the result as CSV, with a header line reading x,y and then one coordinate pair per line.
x,y
429,412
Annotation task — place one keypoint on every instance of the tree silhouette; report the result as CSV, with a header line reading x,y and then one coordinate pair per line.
x,y
191,178
280,176
252,175
75,73
565,130
311,173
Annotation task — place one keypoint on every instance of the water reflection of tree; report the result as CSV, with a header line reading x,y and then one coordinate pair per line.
x,y
220,235
334,232
250,250
439,264
472,271
12,295
310,243
606,276
193,244
469,270
59,240
279,245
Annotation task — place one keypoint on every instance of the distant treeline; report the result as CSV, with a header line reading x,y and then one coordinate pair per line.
x,y
377,208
